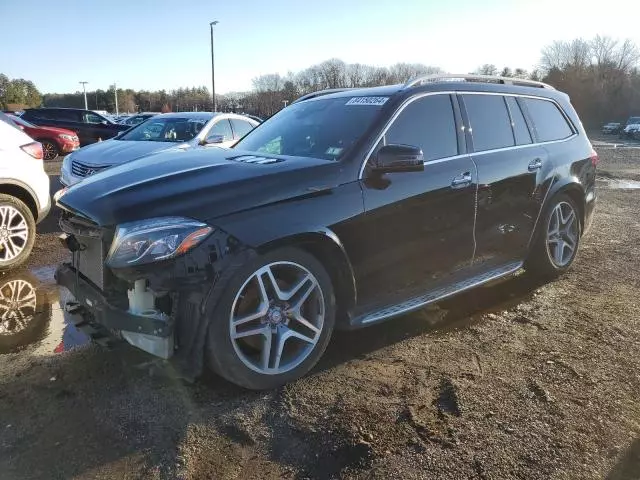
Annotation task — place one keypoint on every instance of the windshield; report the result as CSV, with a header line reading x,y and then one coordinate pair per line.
x,y
633,120
324,128
19,121
173,129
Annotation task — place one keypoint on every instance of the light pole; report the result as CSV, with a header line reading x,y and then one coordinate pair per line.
x,y
115,94
86,107
285,103
213,71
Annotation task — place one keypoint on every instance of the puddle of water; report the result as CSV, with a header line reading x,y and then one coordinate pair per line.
x,y
31,315
619,184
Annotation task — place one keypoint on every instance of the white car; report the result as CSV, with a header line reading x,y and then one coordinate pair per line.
x,y
24,193
160,132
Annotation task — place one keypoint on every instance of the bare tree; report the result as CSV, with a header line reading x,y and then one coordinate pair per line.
x,y
487,69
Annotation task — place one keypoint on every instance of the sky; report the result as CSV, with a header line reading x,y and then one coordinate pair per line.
x,y
165,44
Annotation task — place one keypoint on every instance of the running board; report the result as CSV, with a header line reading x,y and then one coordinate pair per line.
x,y
432,296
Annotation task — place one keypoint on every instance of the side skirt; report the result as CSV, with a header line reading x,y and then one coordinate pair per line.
x,y
415,303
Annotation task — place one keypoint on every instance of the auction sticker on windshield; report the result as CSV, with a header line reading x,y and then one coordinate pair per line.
x,y
367,101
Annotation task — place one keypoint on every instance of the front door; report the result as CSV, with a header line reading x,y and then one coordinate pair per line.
x,y
511,169
418,225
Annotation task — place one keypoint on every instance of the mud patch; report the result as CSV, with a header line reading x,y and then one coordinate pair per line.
x,y
618,184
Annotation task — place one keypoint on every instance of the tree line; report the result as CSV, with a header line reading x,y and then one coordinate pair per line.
x,y
600,75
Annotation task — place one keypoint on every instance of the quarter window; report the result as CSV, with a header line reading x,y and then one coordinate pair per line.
x,y
428,123
520,129
489,122
548,121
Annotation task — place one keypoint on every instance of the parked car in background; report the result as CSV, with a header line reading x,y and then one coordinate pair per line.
x,y
168,130
55,141
24,193
612,128
633,124
246,259
139,118
90,126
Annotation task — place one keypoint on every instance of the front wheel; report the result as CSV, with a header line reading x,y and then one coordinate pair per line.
x,y
274,320
558,238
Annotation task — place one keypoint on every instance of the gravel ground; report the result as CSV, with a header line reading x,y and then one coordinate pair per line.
x,y
513,380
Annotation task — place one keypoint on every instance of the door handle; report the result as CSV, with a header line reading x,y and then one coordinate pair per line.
x,y
462,180
535,164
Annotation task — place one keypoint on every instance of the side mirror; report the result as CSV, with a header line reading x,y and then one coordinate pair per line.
x,y
398,158
213,139
104,122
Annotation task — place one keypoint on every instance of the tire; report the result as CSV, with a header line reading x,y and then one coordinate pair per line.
x,y
16,218
49,149
241,360
544,260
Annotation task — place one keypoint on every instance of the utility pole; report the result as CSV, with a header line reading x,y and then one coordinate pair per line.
x,y
115,94
213,71
86,107
285,103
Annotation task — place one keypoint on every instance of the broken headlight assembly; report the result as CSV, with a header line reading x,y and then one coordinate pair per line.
x,y
153,240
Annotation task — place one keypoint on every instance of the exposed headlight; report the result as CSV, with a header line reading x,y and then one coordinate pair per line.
x,y
71,138
148,241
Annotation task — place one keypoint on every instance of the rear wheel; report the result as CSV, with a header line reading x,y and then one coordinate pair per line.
x,y
49,150
274,320
17,232
558,238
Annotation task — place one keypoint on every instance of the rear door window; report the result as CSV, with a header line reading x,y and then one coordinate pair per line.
x,y
489,122
428,123
548,121
222,127
92,118
240,127
520,129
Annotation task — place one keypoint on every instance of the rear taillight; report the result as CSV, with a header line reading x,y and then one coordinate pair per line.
x,y
34,149
595,159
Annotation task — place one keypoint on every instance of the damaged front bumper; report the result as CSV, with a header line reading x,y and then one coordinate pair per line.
x,y
153,333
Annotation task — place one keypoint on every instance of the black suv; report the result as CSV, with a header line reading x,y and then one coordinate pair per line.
x,y
345,209
90,126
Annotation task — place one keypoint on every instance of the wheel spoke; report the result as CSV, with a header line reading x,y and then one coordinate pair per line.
x,y
559,253
569,219
288,295
297,316
264,330
265,354
310,285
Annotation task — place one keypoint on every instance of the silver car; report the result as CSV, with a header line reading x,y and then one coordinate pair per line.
x,y
161,132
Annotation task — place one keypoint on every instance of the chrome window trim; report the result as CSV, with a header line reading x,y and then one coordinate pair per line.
x,y
468,154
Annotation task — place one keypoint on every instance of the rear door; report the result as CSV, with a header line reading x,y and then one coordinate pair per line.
x,y
511,173
417,231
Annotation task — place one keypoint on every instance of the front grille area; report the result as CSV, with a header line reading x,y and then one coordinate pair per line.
x,y
90,260
83,170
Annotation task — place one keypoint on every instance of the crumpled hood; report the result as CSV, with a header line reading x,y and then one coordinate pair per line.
x,y
197,183
116,152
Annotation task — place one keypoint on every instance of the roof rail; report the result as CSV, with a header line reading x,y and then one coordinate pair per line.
x,y
319,93
476,78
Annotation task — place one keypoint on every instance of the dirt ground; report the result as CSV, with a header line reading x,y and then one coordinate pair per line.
x,y
514,380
